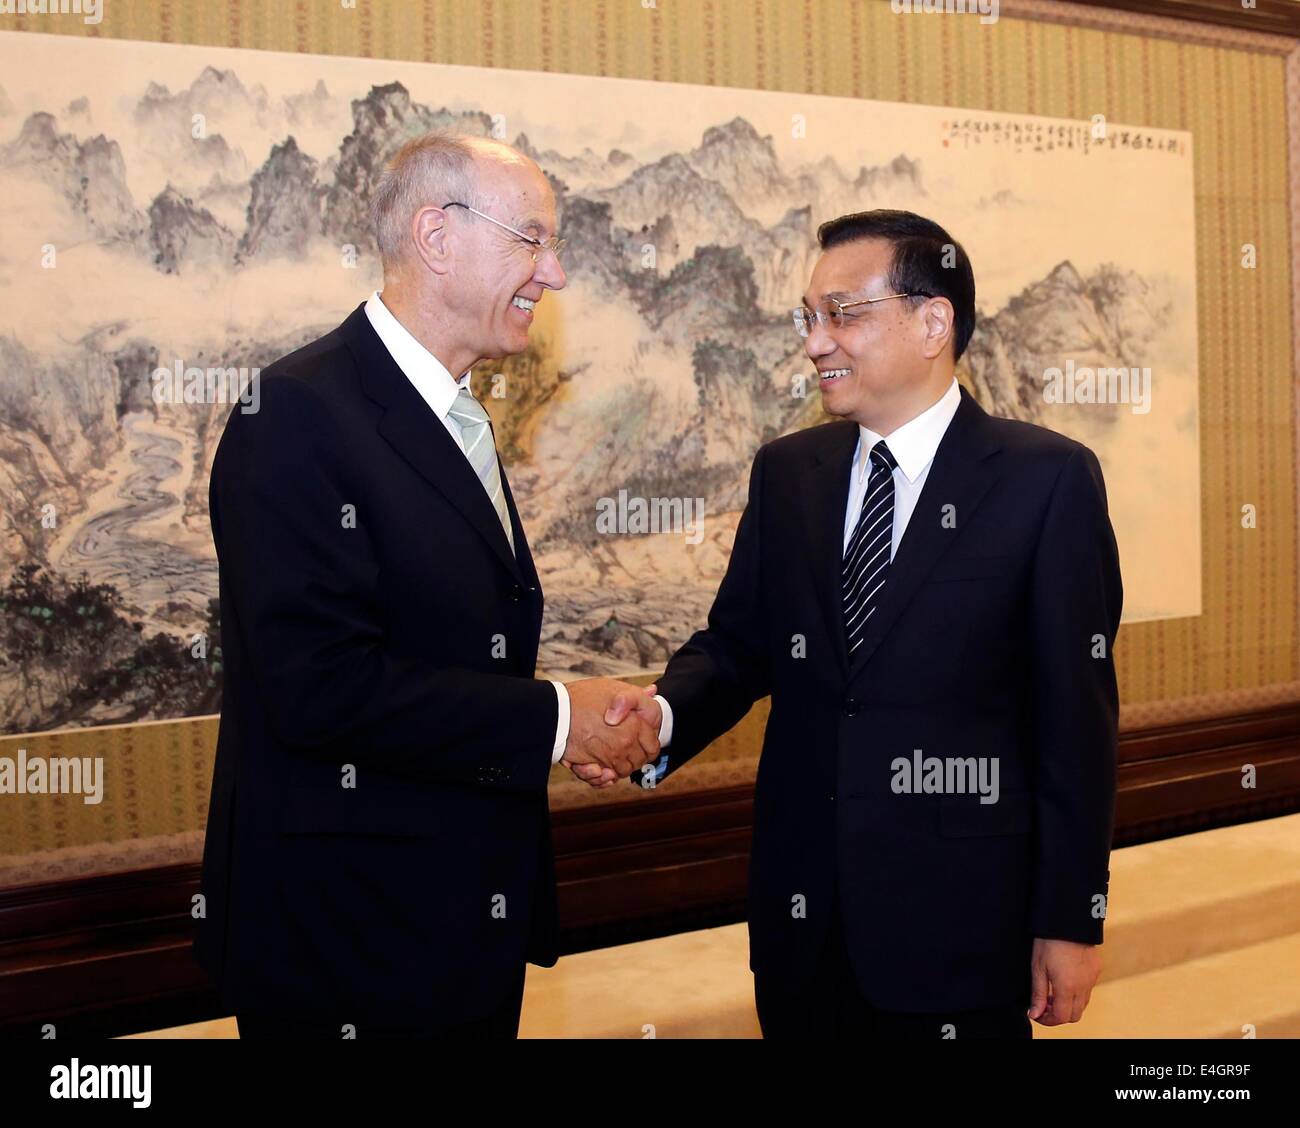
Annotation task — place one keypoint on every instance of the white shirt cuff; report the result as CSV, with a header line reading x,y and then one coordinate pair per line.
x,y
666,723
561,722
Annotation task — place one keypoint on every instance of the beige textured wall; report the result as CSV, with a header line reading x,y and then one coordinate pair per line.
x,y
1244,648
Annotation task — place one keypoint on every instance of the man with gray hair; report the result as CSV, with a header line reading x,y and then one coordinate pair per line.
x,y
378,858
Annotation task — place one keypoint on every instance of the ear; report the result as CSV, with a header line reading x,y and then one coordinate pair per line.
x,y
429,234
938,321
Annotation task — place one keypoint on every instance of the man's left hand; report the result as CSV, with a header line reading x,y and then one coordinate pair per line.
x,y
1064,974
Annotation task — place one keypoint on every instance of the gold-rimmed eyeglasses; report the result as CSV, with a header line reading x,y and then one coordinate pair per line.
x,y
554,245
830,312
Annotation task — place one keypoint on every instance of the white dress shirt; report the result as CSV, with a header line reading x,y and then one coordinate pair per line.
x,y
431,379
913,446
418,364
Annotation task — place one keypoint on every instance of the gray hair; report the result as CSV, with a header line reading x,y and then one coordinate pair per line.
x,y
432,169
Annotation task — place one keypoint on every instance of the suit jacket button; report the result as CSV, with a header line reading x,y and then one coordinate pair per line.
x,y
851,707
516,594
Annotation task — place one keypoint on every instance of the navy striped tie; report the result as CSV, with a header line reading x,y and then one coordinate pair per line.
x,y
866,560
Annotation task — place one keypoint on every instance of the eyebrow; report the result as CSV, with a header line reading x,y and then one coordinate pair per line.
x,y
837,294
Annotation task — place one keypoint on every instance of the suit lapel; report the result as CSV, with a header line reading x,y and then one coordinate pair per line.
x,y
959,476
524,555
824,508
411,429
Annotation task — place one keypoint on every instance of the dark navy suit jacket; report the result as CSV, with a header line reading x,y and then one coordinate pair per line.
x,y
993,638
376,628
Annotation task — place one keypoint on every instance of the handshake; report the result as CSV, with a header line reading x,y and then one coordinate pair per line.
x,y
613,730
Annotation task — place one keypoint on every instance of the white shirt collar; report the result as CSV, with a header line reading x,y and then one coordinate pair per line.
x,y
418,364
914,443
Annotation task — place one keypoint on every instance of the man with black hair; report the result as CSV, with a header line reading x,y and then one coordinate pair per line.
x,y
931,596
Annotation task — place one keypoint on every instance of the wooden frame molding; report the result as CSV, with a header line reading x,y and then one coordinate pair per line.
x,y
1272,17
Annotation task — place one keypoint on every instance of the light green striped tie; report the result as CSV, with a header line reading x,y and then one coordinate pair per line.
x,y
480,449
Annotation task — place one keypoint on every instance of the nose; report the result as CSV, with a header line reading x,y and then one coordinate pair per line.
x,y
818,342
549,272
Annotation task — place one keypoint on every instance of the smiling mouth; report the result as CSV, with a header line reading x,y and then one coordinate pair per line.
x,y
526,304
831,375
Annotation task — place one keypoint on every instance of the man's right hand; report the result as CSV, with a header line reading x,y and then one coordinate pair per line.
x,y
619,748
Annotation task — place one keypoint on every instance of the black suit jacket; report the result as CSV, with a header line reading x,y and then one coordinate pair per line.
x,y
377,632
983,645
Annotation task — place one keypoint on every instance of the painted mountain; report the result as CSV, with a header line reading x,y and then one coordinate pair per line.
x,y
157,239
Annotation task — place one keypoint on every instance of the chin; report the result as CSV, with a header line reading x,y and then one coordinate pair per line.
x,y
833,403
508,344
